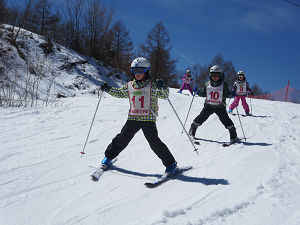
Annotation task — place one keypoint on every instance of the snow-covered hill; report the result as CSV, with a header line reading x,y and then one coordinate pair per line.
x,y
34,61
44,180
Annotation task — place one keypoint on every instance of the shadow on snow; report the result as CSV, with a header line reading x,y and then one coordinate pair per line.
x,y
181,177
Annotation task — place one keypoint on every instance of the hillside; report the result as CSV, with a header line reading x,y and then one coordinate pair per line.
x,y
33,64
44,180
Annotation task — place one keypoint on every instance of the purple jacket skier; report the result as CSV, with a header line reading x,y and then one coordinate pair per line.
x,y
186,82
239,91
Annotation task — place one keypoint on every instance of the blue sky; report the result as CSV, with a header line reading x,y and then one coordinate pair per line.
x,y
260,37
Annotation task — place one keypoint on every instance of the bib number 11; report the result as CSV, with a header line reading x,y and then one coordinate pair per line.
x,y
141,99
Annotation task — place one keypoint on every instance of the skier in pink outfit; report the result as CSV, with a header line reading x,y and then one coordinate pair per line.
x,y
186,82
239,91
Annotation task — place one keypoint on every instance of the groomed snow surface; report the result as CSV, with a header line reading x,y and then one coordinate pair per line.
x,y
45,181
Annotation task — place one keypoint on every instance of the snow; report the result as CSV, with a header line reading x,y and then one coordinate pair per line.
x,y
44,179
63,71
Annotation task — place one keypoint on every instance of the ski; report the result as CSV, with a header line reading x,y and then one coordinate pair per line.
x,y
98,173
166,177
234,114
231,143
194,141
183,93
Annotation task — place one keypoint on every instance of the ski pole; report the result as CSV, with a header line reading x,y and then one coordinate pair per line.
x,y
82,152
195,149
188,112
167,97
251,106
240,122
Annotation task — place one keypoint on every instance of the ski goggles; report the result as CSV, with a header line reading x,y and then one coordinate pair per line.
x,y
139,70
215,74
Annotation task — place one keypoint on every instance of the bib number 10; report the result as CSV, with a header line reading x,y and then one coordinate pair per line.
x,y
214,95
141,99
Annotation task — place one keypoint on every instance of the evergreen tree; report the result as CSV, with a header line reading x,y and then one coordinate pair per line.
x,y
157,49
121,47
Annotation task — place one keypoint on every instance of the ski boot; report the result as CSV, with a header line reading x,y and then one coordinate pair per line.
x,y
172,169
233,134
248,113
180,92
193,129
230,111
105,163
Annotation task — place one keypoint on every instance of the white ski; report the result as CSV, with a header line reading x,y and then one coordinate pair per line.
x,y
97,174
165,177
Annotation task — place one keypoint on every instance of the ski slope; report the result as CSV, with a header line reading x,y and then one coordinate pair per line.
x,y
44,180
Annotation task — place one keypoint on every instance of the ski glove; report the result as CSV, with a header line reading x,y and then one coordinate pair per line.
x,y
196,91
233,93
161,84
105,87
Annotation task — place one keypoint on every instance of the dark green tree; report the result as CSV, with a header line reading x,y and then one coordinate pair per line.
x,y
157,49
121,47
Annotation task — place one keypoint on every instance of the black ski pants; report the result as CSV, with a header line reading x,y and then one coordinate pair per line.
x,y
221,113
131,127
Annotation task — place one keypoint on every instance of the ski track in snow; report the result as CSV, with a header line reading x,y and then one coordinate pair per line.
x,y
42,174
272,188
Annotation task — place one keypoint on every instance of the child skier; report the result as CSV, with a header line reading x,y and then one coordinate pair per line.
x,y
143,96
215,91
186,82
239,90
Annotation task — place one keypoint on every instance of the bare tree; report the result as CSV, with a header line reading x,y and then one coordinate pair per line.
x,y
201,74
227,67
27,17
256,90
157,48
3,11
97,19
44,20
73,24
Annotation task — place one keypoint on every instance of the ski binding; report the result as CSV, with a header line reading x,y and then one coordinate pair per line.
x,y
166,177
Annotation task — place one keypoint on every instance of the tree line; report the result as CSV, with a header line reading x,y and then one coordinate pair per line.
x,y
87,27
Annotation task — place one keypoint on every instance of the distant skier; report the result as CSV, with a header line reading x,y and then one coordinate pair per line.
x,y
215,90
239,91
143,96
187,78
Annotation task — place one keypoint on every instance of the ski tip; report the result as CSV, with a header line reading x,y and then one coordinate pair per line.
x,y
151,185
94,178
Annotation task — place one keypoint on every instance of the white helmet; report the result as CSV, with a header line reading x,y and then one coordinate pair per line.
x,y
188,71
215,69
141,62
241,73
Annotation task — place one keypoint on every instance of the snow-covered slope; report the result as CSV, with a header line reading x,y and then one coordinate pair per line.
x,y
44,180
63,71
